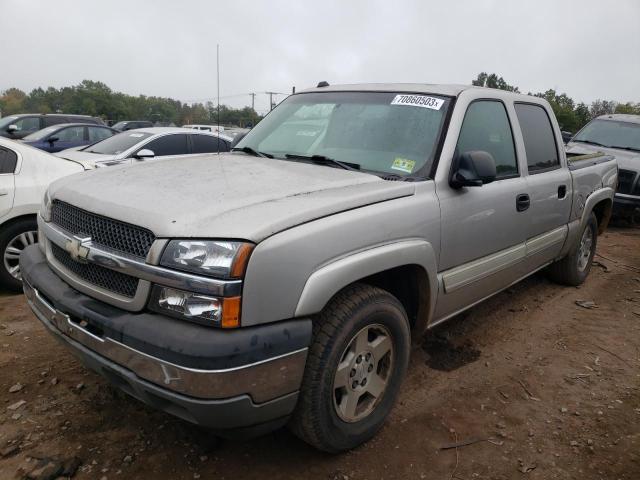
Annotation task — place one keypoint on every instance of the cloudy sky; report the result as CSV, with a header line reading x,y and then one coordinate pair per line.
x,y
587,48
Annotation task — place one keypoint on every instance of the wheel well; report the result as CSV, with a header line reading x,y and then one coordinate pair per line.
x,y
602,211
11,221
410,285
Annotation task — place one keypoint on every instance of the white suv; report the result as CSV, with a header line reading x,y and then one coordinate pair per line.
x,y
25,174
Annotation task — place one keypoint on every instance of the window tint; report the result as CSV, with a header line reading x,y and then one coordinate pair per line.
x,y
71,134
539,142
28,124
96,134
168,145
208,143
54,120
486,127
8,160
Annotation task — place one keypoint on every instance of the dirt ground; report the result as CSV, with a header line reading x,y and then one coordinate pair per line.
x,y
543,387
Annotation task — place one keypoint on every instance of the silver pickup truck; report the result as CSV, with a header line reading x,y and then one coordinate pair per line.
x,y
282,283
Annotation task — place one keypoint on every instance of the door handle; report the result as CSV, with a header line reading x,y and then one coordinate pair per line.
x,y
522,202
562,192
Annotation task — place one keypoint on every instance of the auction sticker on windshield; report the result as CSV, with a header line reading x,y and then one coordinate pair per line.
x,y
403,164
418,101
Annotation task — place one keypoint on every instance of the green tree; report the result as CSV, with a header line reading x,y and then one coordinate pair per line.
x,y
493,81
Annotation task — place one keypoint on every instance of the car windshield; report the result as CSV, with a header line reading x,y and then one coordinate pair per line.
x,y
40,134
381,132
6,121
118,143
611,133
119,125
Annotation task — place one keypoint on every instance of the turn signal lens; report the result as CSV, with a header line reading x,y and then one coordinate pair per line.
x,y
231,312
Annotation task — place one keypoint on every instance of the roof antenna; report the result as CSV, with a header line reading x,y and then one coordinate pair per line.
x,y
322,84
218,82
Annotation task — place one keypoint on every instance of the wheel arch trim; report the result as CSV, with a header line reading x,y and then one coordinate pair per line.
x,y
332,277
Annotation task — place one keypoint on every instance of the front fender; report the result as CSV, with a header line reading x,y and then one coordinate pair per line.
x,y
329,279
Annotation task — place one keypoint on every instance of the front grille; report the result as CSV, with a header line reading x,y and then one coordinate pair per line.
x,y
626,179
111,280
104,231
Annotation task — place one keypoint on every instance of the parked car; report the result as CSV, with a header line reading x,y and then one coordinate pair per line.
x,y
283,282
25,174
148,143
19,126
68,135
132,125
618,135
206,128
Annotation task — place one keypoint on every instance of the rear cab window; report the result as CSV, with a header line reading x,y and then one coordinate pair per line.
x,y
8,161
539,140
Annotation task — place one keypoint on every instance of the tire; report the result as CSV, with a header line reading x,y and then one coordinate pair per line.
x,y
359,323
14,237
574,268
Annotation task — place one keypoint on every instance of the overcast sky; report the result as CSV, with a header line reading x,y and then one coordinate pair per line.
x,y
587,48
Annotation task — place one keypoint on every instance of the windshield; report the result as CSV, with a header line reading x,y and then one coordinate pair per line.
x,y
118,143
40,134
611,133
6,121
383,132
120,125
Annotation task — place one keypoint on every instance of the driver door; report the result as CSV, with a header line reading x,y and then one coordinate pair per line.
x,y
483,230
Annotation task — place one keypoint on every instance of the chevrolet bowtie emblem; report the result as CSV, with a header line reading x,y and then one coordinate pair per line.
x,y
78,248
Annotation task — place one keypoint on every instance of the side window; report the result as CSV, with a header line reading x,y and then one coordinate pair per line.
x,y
486,127
28,124
208,144
96,134
71,134
168,145
8,160
539,141
54,120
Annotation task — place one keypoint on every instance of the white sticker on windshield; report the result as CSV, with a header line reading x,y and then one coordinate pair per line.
x,y
418,101
136,135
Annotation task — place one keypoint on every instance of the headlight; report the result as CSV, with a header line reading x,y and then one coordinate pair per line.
x,y
45,207
219,312
213,258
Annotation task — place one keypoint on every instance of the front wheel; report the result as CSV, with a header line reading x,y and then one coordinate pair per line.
x,y
354,369
574,268
14,238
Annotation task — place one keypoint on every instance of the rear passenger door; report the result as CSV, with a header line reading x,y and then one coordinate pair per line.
x,y
208,144
549,184
8,164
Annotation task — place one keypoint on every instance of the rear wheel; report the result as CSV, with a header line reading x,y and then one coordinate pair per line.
x,y
574,268
354,369
14,238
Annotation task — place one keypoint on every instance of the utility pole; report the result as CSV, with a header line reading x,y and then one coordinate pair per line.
x,y
253,101
271,94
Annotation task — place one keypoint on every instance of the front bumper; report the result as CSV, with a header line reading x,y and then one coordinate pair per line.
x,y
215,378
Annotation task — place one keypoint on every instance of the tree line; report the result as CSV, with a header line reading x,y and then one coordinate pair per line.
x,y
97,99
572,116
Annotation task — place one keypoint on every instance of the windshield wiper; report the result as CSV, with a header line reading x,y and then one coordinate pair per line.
x,y
625,148
322,160
251,151
591,142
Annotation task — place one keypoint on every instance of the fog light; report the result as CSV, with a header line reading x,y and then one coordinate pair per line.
x,y
219,312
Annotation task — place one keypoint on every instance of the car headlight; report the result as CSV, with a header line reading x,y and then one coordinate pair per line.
x,y
222,259
219,312
45,207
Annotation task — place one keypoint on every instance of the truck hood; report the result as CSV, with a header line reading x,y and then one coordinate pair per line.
x,y
223,196
627,160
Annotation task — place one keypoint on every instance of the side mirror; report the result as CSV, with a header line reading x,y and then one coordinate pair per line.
x,y
144,153
472,169
12,128
52,139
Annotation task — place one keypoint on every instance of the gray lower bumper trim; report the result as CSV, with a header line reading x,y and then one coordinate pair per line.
x,y
263,381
